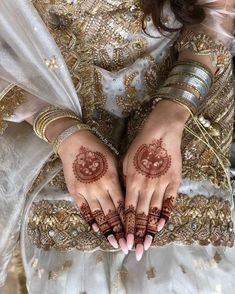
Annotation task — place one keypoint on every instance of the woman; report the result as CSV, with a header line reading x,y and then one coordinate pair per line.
x,y
136,99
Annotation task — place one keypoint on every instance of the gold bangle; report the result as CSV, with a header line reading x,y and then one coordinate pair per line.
x,y
49,115
43,131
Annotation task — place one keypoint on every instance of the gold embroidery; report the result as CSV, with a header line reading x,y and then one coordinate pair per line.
x,y
129,101
114,59
217,257
201,220
8,104
156,74
123,275
99,258
151,273
203,44
55,274
59,225
52,63
52,163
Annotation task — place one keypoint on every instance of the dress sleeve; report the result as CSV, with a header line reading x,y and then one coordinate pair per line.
x,y
213,38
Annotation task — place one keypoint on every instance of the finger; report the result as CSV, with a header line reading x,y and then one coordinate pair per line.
x,y
152,226
130,212
168,204
154,216
101,221
86,212
117,197
113,220
142,220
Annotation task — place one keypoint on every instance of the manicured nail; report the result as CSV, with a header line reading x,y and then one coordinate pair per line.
x,y
139,251
161,224
113,241
130,241
123,245
95,228
147,242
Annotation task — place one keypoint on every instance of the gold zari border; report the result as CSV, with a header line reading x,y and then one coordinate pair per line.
x,y
196,220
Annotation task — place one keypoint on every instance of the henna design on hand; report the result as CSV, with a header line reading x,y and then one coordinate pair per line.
x,y
102,222
115,223
121,211
167,208
153,218
152,160
130,214
89,166
141,225
87,214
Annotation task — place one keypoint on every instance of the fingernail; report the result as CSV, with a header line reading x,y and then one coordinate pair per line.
x,y
130,241
113,241
95,228
161,224
147,242
123,245
139,252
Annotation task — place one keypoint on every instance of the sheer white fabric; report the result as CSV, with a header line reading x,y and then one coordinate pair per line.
x,y
25,45
219,19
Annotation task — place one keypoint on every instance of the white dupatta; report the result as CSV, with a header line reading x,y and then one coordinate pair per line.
x,y
26,50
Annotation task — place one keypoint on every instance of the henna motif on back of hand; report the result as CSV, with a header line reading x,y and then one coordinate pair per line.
x,y
152,160
89,166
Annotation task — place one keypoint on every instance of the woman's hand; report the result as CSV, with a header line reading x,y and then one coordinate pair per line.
x,y
152,169
92,180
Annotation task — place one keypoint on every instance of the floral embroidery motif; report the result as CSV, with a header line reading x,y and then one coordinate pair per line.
x,y
59,225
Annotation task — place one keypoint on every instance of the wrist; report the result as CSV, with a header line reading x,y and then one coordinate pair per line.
x,y
172,112
168,115
54,129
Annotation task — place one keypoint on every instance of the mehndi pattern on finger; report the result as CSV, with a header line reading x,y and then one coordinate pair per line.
x,y
167,207
89,166
130,215
114,221
153,219
152,160
121,210
87,214
102,222
141,225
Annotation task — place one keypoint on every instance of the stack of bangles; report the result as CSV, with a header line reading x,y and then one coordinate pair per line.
x,y
51,114
189,82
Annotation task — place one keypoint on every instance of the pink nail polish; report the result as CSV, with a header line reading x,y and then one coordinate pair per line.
x,y
95,228
161,224
130,241
139,252
123,245
112,240
147,242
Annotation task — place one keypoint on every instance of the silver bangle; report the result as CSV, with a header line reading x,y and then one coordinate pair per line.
x,y
183,96
195,71
65,134
193,82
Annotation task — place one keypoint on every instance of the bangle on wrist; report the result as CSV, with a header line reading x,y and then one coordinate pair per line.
x,y
48,115
66,133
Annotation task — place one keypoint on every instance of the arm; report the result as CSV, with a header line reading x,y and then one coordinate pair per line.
x,y
153,163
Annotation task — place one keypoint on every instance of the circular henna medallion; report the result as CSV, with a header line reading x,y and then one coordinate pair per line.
x,y
152,160
89,166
